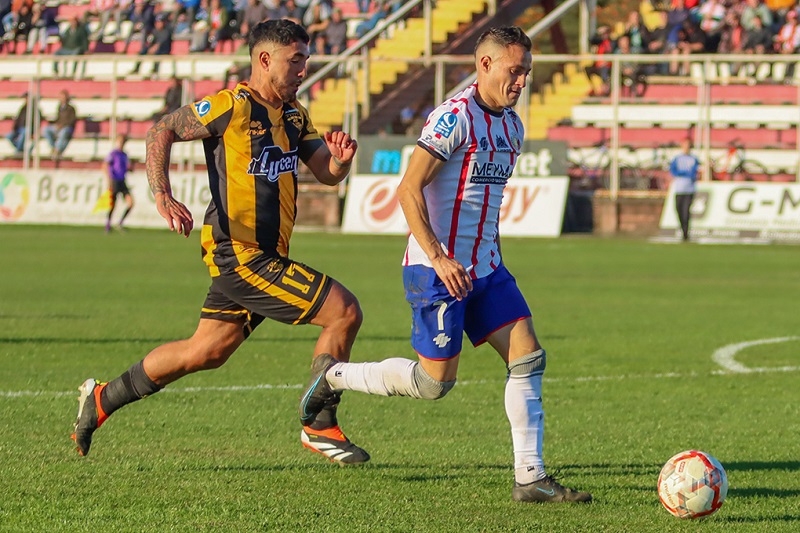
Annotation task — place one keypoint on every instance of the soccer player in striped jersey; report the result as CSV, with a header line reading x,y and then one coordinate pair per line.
x,y
453,273
253,137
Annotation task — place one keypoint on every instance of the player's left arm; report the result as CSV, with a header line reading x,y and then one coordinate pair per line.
x,y
332,157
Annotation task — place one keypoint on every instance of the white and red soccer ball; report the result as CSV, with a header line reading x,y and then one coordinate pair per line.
x,y
692,484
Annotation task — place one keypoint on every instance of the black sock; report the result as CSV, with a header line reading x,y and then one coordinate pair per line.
x,y
124,216
327,417
134,384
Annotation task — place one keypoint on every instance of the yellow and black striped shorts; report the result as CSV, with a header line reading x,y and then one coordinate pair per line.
x,y
266,287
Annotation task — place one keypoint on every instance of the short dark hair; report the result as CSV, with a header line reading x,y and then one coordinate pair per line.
x,y
505,36
280,31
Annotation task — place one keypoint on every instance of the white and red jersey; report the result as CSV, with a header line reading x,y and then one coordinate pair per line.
x,y
480,148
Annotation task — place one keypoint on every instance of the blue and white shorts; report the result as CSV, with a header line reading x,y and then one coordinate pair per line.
x,y
439,320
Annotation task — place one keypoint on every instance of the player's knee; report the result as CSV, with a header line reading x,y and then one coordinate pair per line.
x,y
529,364
350,314
428,388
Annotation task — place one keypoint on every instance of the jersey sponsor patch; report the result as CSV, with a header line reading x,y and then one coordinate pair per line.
x,y
202,107
446,124
272,162
490,173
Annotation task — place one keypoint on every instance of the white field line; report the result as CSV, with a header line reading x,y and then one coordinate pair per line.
x,y
725,357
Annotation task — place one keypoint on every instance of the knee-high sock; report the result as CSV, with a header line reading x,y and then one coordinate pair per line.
x,y
523,401
390,377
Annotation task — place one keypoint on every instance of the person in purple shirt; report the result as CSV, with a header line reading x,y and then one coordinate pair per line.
x,y
116,166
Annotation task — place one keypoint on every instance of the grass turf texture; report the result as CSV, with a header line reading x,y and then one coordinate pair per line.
x,y
629,326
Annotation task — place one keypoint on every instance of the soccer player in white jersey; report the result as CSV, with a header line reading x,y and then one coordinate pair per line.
x,y
453,273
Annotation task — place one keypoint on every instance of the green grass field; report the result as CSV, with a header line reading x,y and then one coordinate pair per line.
x,y
630,328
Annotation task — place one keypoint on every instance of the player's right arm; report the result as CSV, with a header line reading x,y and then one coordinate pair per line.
x,y
422,169
182,125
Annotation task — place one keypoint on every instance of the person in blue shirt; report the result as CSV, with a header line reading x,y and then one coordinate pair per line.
x,y
683,171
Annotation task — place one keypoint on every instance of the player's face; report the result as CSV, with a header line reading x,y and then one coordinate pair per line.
x,y
508,75
287,69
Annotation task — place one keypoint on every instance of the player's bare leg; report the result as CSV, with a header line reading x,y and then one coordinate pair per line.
x,y
211,345
526,361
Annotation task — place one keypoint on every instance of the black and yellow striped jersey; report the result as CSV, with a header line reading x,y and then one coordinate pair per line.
x,y
252,158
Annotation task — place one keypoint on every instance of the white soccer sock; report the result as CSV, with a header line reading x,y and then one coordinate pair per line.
x,y
390,377
523,401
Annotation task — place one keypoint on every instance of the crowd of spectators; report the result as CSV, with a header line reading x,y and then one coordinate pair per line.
x,y
679,28
27,26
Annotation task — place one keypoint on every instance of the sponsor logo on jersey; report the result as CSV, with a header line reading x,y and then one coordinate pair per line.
x,y
202,107
256,128
446,124
272,162
502,145
484,144
490,172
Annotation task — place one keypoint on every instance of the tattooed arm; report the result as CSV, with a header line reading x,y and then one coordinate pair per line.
x,y
182,125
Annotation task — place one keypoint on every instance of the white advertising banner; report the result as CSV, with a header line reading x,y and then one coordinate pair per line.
x,y
739,210
532,207
70,196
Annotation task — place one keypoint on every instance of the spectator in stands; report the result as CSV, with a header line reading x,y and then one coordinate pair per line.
x,y
290,10
732,37
384,10
23,21
173,99
190,9
116,167
633,80
336,33
224,25
656,42
240,70
756,9
103,10
316,29
676,17
758,39
601,45
635,31
316,11
5,9
143,18
254,13
74,42
159,43
44,26
690,41
788,38
59,132
712,19
19,129
683,171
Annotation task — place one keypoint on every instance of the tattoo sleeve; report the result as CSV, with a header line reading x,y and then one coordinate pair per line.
x,y
182,125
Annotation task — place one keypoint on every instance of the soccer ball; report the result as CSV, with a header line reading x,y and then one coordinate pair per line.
x,y
692,484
